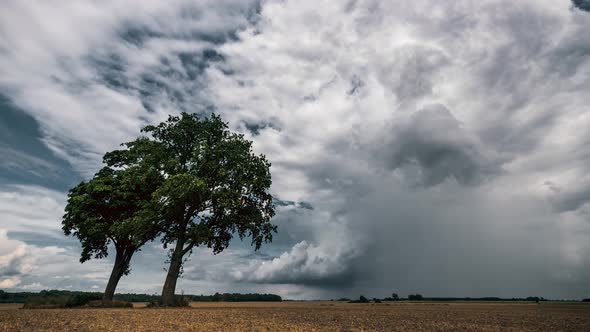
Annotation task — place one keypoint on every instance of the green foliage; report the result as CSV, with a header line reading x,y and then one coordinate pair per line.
x,y
361,299
236,297
57,297
415,297
60,299
394,297
177,301
535,299
109,304
214,185
133,297
78,300
112,207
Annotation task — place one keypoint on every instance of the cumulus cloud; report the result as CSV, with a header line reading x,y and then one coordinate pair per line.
x,y
18,259
13,261
9,282
33,250
305,263
34,267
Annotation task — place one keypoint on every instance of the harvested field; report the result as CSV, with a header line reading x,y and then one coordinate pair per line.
x,y
307,316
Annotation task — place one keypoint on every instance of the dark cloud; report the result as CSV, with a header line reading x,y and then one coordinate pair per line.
x,y
414,71
256,128
569,199
53,238
355,85
433,143
582,4
302,205
25,159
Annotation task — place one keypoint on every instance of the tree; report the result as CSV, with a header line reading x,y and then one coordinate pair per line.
x,y
110,209
394,297
215,187
415,297
361,299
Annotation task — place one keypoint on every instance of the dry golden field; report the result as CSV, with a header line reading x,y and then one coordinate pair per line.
x,y
307,316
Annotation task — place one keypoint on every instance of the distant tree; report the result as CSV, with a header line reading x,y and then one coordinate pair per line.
x,y
215,187
236,297
361,299
110,209
586,300
394,297
535,299
415,297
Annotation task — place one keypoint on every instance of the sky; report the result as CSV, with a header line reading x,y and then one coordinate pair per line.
x,y
423,146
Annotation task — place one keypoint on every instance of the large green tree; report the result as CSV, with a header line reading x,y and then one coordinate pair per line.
x,y
113,208
215,187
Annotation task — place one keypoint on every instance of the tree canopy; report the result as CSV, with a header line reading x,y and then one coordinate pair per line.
x,y
111,208
214,187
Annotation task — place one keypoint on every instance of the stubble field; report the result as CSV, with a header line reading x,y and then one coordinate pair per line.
x,y
307,316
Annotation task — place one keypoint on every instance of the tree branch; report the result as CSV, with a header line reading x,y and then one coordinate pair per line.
x,y
112,239
188,248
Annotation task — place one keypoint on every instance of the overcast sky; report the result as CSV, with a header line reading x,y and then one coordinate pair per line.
x,y
438,147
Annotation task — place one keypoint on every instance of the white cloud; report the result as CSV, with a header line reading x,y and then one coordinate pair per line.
x,y
48,66
32,267
31,209
305,263
14,258
18,259
36,286
9,282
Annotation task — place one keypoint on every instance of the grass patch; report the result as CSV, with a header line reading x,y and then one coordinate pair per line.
x,y
62,301
108,304
179,301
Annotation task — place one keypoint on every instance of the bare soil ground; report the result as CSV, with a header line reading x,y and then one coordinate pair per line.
x,y
307,316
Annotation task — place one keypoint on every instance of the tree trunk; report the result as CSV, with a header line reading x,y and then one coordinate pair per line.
x,y
173,274
121,264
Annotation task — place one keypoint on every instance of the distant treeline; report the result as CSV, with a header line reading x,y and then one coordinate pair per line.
x,y
22,297
494,299
483,299
236,297
418,297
